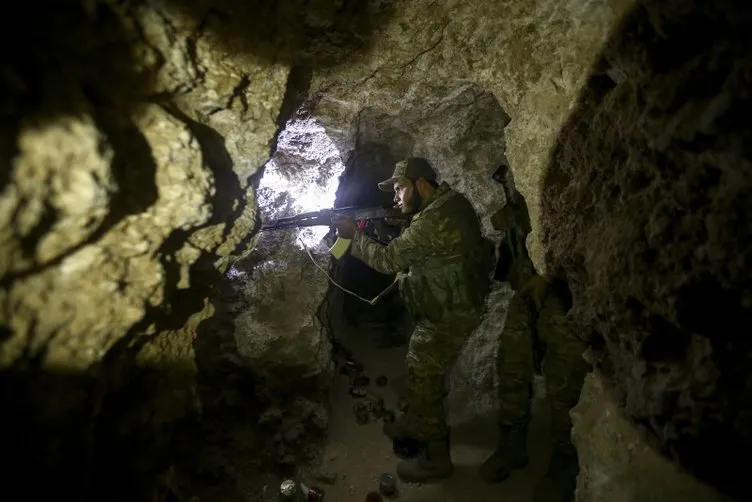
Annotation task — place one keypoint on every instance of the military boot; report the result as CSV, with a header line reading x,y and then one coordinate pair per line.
x,y
433,463
511,454
560,481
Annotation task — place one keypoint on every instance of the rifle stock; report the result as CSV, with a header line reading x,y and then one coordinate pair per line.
x,y
324,217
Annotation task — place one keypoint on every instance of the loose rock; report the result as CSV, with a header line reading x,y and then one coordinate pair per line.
x,y
326,477
362,415
402,404
358,392
388,417
376,405
362,381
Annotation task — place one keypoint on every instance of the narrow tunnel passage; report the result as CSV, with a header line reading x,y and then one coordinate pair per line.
x,y
371,386
154,346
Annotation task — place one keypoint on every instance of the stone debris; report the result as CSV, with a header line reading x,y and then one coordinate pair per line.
x,y
402,404
362,381
325,476
358,392
362,413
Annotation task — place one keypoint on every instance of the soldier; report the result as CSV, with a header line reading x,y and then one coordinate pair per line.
x,y
536,336
448,263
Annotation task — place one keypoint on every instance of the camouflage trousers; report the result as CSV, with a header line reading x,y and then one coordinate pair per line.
x,y
432,352
563,367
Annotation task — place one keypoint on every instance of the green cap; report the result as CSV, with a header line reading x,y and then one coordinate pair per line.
x,y
413,168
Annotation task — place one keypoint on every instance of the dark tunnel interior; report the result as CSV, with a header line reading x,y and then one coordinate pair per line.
x,y
156,345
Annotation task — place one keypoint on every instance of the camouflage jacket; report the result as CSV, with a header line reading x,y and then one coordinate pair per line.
x,y
447,258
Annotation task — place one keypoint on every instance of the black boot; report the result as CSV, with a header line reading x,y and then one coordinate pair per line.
x,y
560,481
433,463
511,454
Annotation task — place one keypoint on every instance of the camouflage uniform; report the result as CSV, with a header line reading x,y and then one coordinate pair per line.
x,y
562,362
448,263
537,329
537,337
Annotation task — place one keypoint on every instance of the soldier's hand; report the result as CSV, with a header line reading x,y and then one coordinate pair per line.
x,y
345,224
536,289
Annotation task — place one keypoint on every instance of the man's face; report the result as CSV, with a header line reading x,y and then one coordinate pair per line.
x,y
404,196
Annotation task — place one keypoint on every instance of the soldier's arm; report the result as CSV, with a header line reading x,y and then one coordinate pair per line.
x,y
414,244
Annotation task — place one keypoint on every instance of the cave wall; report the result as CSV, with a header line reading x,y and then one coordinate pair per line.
x,y
645,208
617,463
474,381
132,134
459,129
279,329
532,57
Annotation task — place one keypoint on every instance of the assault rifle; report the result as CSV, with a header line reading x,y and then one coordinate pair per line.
x,y
324,217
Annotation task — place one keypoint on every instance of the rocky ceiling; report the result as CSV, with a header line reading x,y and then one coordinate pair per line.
x,y
133,133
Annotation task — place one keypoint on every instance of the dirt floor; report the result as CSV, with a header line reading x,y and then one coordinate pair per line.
x,y
357,454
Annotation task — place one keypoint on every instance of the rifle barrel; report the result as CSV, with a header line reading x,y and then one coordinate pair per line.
x,y
324,216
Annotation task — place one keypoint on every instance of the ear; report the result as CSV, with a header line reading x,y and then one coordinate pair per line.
x,y
422,184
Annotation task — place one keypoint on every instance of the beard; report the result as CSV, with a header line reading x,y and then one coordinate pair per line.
x,y
412,202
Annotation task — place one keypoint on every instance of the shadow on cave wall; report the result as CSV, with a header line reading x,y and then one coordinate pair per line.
x,y
645,210
74,55
92,436
76,59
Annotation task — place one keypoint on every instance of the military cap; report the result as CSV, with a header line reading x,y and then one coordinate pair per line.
x,y
413,168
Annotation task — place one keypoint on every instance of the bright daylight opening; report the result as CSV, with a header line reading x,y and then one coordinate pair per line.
x,y
302,176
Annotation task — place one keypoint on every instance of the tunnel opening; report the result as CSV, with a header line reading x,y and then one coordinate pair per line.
x,y
366,167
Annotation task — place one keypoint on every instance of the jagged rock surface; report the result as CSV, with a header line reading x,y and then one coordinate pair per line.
x,y
459,129
279,331
644,210
617,464
474,380
434,57
280,328
132,132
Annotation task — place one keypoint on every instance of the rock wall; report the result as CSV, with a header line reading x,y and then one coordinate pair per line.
x,y
284,288
474,380
434,59
279,329
643,209
132,132
617,464
458,128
